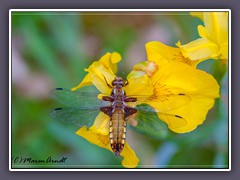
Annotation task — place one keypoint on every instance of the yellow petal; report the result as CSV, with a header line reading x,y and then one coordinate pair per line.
x,y
216,24
197,14
115,58
197,91
101,76
157,51
203,32
102,70
93,137
224,51
101,123
139,84
160,54
200,49
192,80
97,68
101,84
87,81
130,160
193,113
110,61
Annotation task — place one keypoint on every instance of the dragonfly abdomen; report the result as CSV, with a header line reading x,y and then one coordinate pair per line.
x,y
117,131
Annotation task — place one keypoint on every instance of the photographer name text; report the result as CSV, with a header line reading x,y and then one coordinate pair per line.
x,y
29,160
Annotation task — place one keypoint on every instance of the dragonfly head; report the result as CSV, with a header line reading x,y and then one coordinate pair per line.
x,y
118,81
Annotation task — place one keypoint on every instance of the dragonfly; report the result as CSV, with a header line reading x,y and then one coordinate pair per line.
x,y
81,109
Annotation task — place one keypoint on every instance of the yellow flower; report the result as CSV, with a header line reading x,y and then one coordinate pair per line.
x,y
178,89
168,86
213,41
99,74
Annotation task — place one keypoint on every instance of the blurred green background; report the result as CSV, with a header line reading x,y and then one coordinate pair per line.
x,y
51,49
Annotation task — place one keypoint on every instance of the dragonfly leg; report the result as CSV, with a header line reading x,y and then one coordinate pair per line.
x,y
130,99
107,82
108,98
131,120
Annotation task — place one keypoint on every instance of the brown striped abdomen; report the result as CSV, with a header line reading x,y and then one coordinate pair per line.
x,y
117,131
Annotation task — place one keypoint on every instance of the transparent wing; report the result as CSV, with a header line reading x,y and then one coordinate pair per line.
x,y
75,115
165,103
77,98
147,121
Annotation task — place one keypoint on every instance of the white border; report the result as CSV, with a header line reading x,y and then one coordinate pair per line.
x,y
115,10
